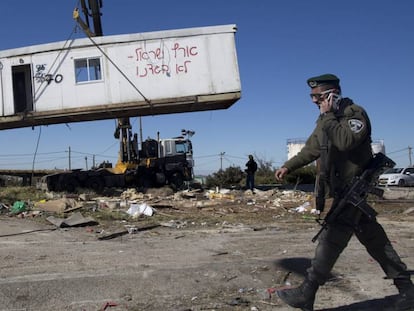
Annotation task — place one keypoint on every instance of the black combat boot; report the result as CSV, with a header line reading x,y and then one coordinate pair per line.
x,y
300,297
405,300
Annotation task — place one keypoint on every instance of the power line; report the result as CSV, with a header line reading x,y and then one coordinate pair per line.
x,y
207,156
235,157
396,151
29,154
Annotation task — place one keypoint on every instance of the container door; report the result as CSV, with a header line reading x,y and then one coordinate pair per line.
x,y
22,88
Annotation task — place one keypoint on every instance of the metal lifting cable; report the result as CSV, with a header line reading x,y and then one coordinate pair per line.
x,y
88,34
119,69
54,62
34,155
35,95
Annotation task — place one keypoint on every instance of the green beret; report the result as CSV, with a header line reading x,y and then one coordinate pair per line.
x,y
326,79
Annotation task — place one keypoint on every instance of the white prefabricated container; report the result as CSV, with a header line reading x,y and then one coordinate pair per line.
x,y
152,73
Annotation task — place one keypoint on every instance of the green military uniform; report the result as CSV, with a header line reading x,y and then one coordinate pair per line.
x,y
348,141
349,145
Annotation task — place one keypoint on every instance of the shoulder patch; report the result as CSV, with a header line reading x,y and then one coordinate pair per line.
x,y
355,125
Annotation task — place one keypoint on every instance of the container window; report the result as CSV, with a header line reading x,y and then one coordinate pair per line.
x,y
88,69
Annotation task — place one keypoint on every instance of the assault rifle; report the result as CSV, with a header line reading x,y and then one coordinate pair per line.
x,y
356,193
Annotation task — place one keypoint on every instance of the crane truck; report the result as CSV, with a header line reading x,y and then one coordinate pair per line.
x,y
158,162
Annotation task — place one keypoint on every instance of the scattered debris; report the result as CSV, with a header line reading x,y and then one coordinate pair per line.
x,y
409,211
18,207
206,203
111,204
131,195
302,208
136,210
62,205
129,230
4,208
306,207
193,219
238,301
174,224
108,305
251,202
75,220
285,196
113,235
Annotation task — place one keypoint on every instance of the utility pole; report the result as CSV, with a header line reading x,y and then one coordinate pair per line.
x,y
221,160
86,162
409,154
70,165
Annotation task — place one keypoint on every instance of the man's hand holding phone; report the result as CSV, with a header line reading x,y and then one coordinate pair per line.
x,y
330,103
325,104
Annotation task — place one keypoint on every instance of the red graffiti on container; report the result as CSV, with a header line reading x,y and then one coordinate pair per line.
x,y
157,61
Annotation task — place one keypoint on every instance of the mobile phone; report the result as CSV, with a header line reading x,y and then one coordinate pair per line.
x,y
335,100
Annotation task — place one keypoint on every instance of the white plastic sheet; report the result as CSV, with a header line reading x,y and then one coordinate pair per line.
x,y
135,210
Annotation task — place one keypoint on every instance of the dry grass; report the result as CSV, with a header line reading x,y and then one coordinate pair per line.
x,y
9,195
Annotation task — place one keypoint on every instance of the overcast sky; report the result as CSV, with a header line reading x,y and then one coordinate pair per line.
x,y
368,44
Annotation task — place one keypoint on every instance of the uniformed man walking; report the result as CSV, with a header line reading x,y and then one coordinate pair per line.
x,y
341,141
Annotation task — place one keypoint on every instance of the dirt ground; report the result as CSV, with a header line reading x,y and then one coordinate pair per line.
x,y
225,252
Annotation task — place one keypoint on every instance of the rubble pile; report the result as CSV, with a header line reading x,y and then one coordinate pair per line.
x,y
135,205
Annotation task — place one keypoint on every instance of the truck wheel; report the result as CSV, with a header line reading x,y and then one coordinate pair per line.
x,y
145,181
160,178
96,184
177,181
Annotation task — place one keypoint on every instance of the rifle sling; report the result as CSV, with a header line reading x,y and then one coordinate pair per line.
x,y
324,156
322,178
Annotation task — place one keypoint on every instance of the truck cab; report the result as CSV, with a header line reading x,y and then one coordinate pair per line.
x,y
176,146
166,161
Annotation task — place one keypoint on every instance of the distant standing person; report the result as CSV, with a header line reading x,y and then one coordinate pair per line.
x,y
251,168
341,141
